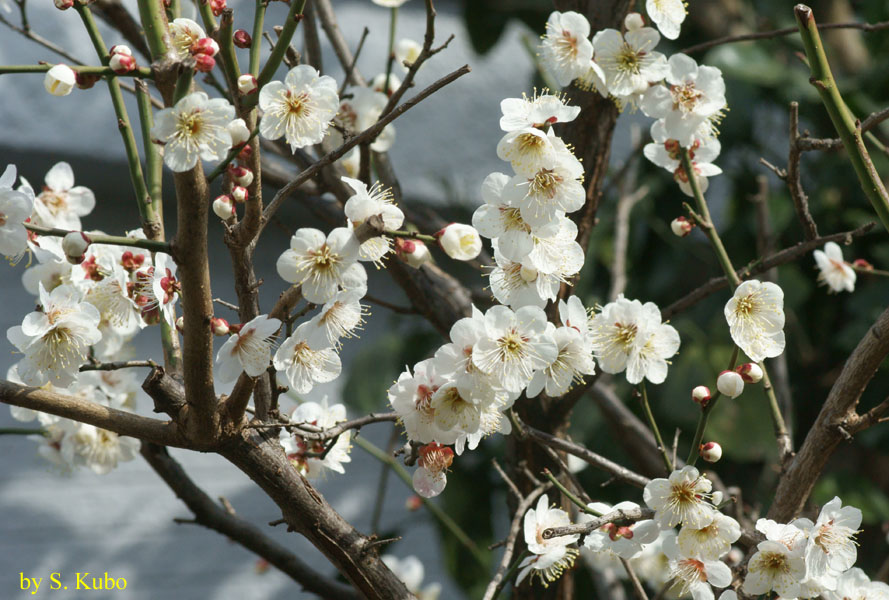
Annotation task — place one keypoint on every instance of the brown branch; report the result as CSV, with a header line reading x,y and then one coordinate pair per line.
x,y
113,366
218,518
369,133
628,516
350,69
335,36
764,35
807,143
779,258
310,432
859,423
91,413
826,434
794,185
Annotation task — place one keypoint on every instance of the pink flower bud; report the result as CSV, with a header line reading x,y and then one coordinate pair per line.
x,y
180,324
860,263
247,84
217,6
84,81
730,383
750,372
245,153
74,245
413,503
206,46
413,252
219,326
63,4
701,395
681,226
242,39
460,241
223,207
235,328
204,63
240,194
122,63
711,452
120,49
240,175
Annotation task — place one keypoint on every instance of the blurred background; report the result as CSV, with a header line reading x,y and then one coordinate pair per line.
x,y
122,522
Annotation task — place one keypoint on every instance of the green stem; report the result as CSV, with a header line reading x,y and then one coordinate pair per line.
x,y
256,44
777,418
509,573
120,109
207,16
414,235
437,512
844,121
227,52
705,414
21,431
877,272
143,72
707,225
153,165
154,246
393,21
568,494
154,24
294,16
183,85
232,155
654,428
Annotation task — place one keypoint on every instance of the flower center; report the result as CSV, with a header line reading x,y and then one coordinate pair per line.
x,y
775,563
324,258
626,334
56,202
545,183
528,142
629,59
190,124
512,219
566,44
297,105
685,97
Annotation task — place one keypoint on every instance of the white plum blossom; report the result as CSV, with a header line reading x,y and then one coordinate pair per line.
x,y
776,567
652,564
61,203
410,571
319,416
854,583
515,345
389,3
559,254
575,359
518,284
455,408
358,113
184,34
163,288
339,318
15,208
834,272
573,314
55,340
665,152
629,61
454,361
411,398
528,150
550,557
302,366
755,314
626,334
566,48
319,263
97,449
430,478
696,575
832,548
711,542
668,15
625,541
537,111
247,351
195,129
498,219
300,108
683,499
368,203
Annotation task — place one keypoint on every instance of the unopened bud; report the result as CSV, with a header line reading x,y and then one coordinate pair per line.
x,y
711,452
204,63
63,4
634,21
247,84
716,498
378,83
681,226
240,175
413,252
74,245
750,372
242,39
120,49
240,194
701,395
219,326
206,46
730,383
460,241
860,263
235,328
413,503
239,132
223,207
217,6
245,153
180,324
122,63
85,81
60,80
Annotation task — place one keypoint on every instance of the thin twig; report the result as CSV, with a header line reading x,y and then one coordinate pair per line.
x,y
621,515
113,366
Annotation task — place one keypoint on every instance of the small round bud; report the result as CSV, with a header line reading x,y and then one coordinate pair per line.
x,y
750,372
223,207
407,51
378,81
245,153
413,252
681,226
63,4
240,175
235,328
120,49
84,81
634,21
239,132
219,326
711,452
460,241
860,263
413,503
730,383
122,63
206,46
204,63
242,39
180,324
716,498
701,395
240,194
74,245
60,80
217,6
247,84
